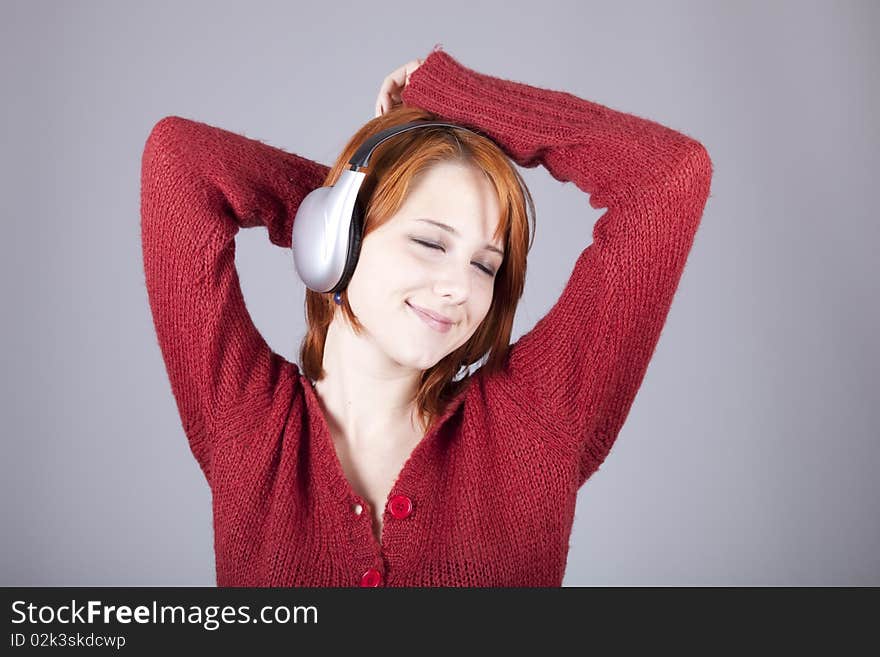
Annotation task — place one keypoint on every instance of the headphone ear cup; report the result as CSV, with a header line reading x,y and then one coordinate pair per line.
x,y
355,235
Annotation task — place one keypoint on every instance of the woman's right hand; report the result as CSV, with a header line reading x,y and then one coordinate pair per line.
x,y
393,85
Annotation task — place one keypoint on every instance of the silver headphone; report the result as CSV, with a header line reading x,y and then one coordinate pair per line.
x,y
328,225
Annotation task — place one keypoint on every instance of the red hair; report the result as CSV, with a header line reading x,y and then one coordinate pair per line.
x,y
394,165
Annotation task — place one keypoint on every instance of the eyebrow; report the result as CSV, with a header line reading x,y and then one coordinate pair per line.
x,y
450,229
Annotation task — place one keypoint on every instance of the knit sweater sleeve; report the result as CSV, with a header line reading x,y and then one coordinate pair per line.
x,y
576,373
199,185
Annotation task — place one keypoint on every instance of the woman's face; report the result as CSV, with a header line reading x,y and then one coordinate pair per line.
x,y
411,261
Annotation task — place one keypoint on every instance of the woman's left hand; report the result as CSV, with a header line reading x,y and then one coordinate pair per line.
x,y
393,85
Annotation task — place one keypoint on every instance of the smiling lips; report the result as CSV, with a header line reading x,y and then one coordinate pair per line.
x,y
431,321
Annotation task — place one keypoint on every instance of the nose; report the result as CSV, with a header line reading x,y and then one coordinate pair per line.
x,y
453,283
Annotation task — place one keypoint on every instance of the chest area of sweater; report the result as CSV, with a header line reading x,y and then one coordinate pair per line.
x,y
465,464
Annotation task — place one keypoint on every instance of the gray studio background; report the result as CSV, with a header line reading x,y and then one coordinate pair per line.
x,y
750,454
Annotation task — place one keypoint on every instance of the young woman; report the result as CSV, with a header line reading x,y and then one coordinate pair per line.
x,y
384,459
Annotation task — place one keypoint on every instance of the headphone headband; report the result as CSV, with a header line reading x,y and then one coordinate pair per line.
x,y
361,157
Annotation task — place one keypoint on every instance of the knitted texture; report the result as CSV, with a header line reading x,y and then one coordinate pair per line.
x,y
492,487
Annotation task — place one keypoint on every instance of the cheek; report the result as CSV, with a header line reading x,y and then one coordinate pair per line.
x,y
478,322
394,268
415,265
477,312
486,295
378,272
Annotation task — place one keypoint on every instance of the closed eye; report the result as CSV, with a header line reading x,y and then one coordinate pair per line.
x,y
430,245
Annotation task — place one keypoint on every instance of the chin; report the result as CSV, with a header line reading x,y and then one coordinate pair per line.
x,y
414,360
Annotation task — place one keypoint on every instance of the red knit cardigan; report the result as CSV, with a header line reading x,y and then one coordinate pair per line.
x,y
487,498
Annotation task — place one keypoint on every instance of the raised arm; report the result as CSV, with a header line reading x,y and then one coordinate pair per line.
x,y
576,373
199,185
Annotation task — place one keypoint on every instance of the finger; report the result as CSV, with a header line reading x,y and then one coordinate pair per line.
x,y
393,85
411,68
385,93
383,105
400,75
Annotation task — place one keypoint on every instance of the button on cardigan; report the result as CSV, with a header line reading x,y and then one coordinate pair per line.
x,y
487,498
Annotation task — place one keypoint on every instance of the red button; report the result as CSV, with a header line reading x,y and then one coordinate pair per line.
x,y
400,506
371,578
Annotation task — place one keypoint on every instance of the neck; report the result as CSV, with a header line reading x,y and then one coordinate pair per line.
x,y
367,398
